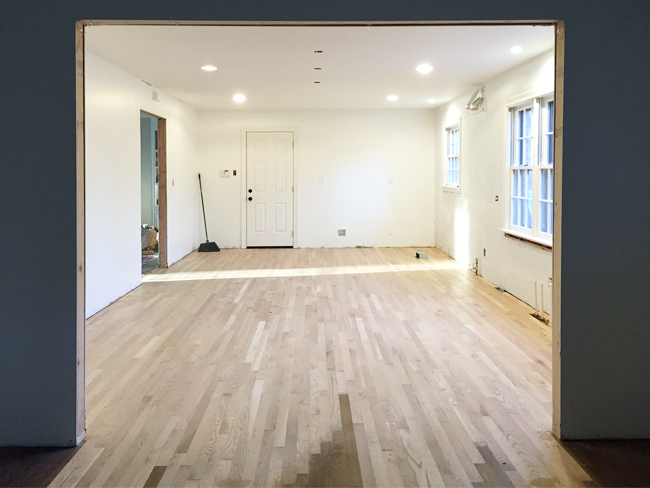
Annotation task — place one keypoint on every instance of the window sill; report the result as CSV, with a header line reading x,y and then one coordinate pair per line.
x,y
451,189
532,240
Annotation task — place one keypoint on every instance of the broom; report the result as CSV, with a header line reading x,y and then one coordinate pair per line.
x,y
207,246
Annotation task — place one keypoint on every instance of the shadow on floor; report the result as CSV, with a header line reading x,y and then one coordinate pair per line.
x,y
149,263
32,466
613,463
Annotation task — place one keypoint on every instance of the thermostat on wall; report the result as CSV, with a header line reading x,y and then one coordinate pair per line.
x,y
225,173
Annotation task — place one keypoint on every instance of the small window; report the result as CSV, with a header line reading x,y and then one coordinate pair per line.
x,y
452,178
530,178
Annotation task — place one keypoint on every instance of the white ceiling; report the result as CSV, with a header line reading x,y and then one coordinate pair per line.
x,y
274,66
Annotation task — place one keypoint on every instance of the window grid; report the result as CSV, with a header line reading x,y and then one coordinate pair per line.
x,y
522,177
531,167
546,168
453,156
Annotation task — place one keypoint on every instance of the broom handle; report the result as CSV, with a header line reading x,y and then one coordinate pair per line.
x,y
203,206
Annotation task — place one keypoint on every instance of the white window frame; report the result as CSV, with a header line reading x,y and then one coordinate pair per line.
x,y
453,186
539,163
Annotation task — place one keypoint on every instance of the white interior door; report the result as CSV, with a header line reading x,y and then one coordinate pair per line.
x,y
269,189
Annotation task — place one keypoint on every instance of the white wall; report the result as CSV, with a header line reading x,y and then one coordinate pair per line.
x,y
356,152
113,102
470,221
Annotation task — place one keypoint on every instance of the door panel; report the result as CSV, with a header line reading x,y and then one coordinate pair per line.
x,y
269,174
280,217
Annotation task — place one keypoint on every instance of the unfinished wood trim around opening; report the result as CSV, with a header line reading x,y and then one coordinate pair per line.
x,y
557,227
81,235
162,193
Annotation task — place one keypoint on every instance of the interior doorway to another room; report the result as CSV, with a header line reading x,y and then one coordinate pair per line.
x,y
153,192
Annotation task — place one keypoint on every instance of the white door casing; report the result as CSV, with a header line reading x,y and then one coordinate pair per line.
x,y
269,189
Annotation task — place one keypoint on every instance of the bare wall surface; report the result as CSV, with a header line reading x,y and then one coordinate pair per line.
x,y
114,99
606,218
370,172
470,220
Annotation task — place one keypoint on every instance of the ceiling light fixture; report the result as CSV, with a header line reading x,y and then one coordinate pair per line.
x,y
430,100
318,52
392,98
209,67
515,50
425,68
239,98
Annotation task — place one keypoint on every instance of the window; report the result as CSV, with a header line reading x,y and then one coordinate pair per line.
x,y
531,168
452,178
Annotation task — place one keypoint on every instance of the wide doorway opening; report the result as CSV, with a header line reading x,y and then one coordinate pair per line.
x,y
386,199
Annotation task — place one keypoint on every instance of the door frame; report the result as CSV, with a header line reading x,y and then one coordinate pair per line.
x,y
243,171
162,189
81,202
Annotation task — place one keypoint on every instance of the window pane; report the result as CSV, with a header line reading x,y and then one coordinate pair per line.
x,y
544,189
515,183
515,213
519,125
550,218
550,184
529,184
527,152
549,149
529,214
550,116
528,122
519,149
543,217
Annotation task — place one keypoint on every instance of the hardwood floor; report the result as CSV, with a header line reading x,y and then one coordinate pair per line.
x,y
318,367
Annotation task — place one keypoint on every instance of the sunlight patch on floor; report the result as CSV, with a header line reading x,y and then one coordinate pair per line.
x,y
286,273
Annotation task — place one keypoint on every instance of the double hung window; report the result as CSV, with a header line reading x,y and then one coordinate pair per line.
x,y
452,153
530,167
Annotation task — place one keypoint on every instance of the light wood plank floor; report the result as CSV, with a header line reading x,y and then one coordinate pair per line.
x,y
318,367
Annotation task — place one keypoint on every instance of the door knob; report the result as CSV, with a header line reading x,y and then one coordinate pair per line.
x,y
250,199
250,191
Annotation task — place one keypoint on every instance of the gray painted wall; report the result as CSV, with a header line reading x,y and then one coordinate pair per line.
x,y
606,218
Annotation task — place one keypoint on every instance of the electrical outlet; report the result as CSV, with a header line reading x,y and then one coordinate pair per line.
x,y
342,232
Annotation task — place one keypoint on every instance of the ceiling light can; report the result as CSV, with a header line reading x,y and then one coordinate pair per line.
x,y
392,98
239,98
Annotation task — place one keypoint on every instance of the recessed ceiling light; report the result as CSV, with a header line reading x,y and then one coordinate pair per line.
x,y
392,98
208,67
239,98
515,50
430,100
425,68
